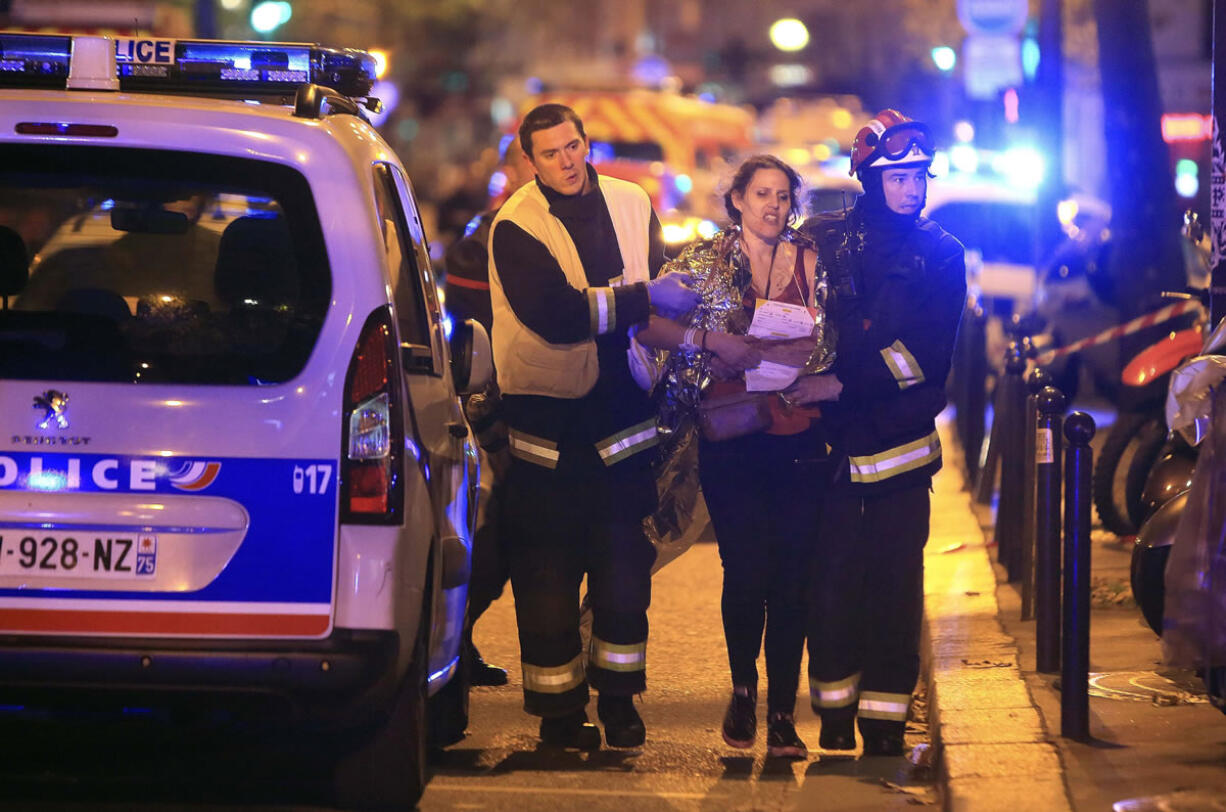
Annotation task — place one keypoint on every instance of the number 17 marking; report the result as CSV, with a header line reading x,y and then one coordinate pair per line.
x,y
313,479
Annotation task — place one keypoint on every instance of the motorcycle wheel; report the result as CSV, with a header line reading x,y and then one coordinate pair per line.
x,y
1130,450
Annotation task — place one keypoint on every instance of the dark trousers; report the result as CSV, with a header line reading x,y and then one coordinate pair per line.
x,y
764,495
490,569
553,540
867,607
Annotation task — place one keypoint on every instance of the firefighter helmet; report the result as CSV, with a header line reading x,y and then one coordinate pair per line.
x,y
891,139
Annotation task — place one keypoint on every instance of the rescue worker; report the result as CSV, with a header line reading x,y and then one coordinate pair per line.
x,y
899,283
467,288
573,258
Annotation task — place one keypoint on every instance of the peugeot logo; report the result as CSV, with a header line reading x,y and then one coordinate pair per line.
x,y
54,406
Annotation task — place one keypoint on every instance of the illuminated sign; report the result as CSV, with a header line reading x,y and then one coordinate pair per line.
x,y
1186,127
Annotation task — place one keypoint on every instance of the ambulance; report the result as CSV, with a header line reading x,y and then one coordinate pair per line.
x,y
237,488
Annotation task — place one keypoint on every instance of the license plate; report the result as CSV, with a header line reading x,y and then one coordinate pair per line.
x,y
83,554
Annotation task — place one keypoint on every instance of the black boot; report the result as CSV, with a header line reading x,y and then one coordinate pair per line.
x,y
479,671
884,744
482,673
741,718
837,734
570,732
623,727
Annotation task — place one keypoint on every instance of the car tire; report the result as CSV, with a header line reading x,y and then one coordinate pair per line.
x,y
449,707
1130,450
389,770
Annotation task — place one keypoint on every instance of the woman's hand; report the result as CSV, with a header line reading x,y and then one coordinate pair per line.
x,y
813,389
733,350
791,352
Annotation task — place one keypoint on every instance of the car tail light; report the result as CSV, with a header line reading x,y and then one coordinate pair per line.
x,y
373,442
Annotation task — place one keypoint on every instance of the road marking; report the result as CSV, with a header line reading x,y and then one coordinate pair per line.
x,y
683,796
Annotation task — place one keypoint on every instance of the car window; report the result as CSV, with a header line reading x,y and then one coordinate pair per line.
x,y
410,296
1001,232
151,266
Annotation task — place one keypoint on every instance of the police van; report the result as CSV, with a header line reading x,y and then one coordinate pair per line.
x,y
237,488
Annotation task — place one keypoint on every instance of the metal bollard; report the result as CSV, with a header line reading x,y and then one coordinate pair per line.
x,y
1012,447
985,480
974,394
1048,441
1035,382
1075,667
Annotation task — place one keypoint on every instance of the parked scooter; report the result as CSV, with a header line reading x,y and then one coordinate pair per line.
x,y
1137,439
1180,543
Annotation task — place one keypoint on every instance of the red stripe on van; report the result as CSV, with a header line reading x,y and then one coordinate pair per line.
x,y
137,623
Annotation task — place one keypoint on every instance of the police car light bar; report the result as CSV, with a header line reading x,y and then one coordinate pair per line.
x,y
193,66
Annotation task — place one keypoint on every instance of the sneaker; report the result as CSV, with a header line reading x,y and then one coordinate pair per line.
x,y
837,735
885,744
570,732
781,738
741,718
623,727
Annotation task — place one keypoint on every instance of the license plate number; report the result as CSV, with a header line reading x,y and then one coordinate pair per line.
x,y
79,555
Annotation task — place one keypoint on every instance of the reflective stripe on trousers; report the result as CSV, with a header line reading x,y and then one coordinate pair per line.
x,y
556,679
614,657
881,705
839,694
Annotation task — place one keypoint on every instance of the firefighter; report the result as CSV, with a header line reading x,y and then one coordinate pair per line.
x,y
899,283
573,256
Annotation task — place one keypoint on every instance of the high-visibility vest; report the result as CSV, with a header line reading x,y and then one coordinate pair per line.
x,y
528,364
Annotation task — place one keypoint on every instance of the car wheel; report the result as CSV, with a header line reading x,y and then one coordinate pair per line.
x,y
449,707
388,771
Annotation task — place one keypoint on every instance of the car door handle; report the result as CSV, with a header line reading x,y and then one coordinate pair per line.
x,y
458,430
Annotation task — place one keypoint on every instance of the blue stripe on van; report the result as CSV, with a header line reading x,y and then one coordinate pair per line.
x,y
288,553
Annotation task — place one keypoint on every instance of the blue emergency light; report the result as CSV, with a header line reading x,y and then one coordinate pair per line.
x,y
34,60
206,67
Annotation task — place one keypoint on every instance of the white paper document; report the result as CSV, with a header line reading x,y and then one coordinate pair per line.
x,y
777,321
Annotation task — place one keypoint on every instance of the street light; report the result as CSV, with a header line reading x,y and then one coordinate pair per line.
x,y
269,15
789,34
944,58
380,57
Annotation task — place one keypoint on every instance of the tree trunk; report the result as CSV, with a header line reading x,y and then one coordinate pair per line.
x,y
1145,218
1146,256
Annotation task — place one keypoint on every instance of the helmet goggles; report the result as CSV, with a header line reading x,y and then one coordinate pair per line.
x,y
897,141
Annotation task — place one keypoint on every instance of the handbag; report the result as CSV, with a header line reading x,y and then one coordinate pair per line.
x,y
722,416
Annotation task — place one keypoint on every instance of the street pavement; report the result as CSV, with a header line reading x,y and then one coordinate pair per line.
x,y
685,764
1156,742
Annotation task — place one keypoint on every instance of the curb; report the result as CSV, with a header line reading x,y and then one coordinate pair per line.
x,y
993,750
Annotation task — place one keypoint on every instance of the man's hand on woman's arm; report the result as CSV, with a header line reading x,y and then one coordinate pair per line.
x,y
672,294
813,389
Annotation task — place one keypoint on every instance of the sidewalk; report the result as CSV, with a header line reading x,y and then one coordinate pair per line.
x,y
1157,743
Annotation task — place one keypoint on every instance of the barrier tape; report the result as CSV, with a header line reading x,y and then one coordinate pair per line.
x,y
1110,334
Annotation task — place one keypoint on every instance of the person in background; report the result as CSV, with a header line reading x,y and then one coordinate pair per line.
x,y
573,269
467,295
762,488
899,283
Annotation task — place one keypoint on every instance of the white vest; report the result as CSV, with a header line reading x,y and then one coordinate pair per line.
x,y
528,364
